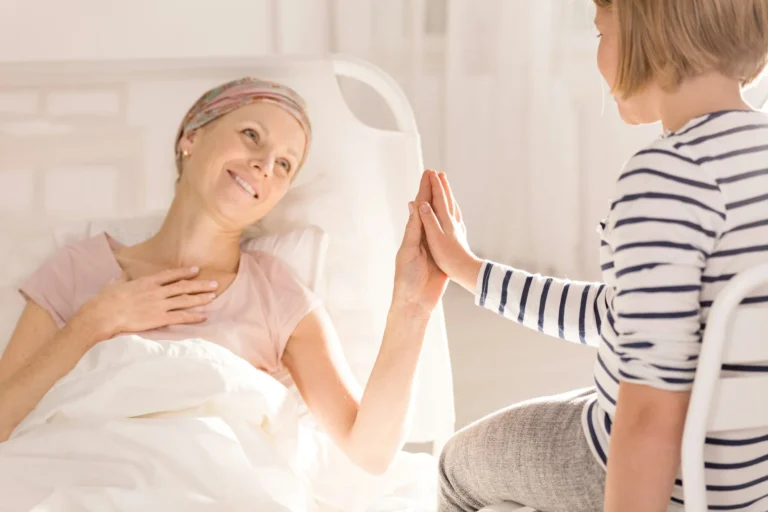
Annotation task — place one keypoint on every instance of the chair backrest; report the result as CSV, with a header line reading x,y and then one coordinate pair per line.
x,y
734,335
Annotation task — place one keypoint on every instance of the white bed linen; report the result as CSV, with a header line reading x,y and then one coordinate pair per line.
x,y
157,426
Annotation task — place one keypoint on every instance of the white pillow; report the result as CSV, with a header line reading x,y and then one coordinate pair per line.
x,y
303,249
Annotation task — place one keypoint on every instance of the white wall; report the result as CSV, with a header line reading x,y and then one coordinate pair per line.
x,y
108,29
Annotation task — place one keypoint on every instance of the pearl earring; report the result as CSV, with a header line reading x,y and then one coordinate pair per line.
x,y
185,153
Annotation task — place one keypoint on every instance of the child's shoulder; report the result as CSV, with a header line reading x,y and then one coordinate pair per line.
x,y
663,163
706,139
691,155
670,172
669,151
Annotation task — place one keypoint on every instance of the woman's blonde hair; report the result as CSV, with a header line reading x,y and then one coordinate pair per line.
x,y
670,41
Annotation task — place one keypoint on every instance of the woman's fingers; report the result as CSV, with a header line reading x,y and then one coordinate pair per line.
x,y
181,302
425,188
412,234
186,286
173,275
431,225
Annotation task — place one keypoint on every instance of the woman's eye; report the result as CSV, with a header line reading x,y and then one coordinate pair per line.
x,y
251,133
286,165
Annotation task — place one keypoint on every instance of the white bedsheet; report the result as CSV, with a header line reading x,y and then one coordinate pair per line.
x,y
154,426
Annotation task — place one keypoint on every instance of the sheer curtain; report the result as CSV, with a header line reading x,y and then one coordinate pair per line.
x,y
509,103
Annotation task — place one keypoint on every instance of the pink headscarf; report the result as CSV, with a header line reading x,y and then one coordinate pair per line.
x,y
232,95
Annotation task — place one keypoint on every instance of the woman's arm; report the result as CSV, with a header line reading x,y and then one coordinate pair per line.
x,y
38,355
369,427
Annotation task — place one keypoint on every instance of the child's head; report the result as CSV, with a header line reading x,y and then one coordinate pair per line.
x,y
649,45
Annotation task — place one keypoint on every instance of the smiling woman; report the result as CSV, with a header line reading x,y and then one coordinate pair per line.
x,y
246,115
238,150
256,149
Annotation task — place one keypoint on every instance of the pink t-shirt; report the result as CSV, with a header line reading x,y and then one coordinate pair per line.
x,y
253,317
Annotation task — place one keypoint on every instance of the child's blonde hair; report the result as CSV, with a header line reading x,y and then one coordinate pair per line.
x,y
672,40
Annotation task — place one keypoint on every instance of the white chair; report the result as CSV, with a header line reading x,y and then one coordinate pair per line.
x,y
734,334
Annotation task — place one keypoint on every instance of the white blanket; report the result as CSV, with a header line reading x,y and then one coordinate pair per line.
x,y
154,426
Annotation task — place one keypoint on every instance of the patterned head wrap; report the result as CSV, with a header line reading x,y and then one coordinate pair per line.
x,y
230,96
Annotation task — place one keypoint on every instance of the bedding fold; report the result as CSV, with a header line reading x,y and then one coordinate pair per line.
x,y
146,425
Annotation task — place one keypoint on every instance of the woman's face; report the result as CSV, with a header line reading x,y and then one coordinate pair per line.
x,y
638,108
243,163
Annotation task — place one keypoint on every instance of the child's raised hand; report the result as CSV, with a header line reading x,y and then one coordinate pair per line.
x,y
447,234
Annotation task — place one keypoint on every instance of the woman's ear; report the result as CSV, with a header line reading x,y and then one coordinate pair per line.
x,y
184,150
187,142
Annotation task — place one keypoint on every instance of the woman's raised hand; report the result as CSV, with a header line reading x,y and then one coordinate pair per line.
x,y
147,303
446,233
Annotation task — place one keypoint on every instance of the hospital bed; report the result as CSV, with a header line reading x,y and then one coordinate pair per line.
x,y
88,147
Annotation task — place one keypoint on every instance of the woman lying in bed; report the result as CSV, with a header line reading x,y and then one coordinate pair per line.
x,y
238,150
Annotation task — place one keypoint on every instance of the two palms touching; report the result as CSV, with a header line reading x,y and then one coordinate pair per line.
x,y
419,276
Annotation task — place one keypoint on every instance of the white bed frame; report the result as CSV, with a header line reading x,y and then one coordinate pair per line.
x,y
93,140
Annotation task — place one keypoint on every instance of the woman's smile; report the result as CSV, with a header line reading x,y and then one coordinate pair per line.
x,y
245,185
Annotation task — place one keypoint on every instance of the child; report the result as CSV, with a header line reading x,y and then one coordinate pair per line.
x,y
690,211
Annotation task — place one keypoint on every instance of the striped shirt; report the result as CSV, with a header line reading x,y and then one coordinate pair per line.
x,y
691,210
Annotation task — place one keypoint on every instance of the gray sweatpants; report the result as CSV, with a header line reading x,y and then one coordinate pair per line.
x,y
533,453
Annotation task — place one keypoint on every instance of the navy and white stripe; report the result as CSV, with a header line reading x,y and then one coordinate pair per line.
x,y
691,211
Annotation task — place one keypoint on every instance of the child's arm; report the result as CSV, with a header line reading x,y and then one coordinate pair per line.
x,y
558,307
569,310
